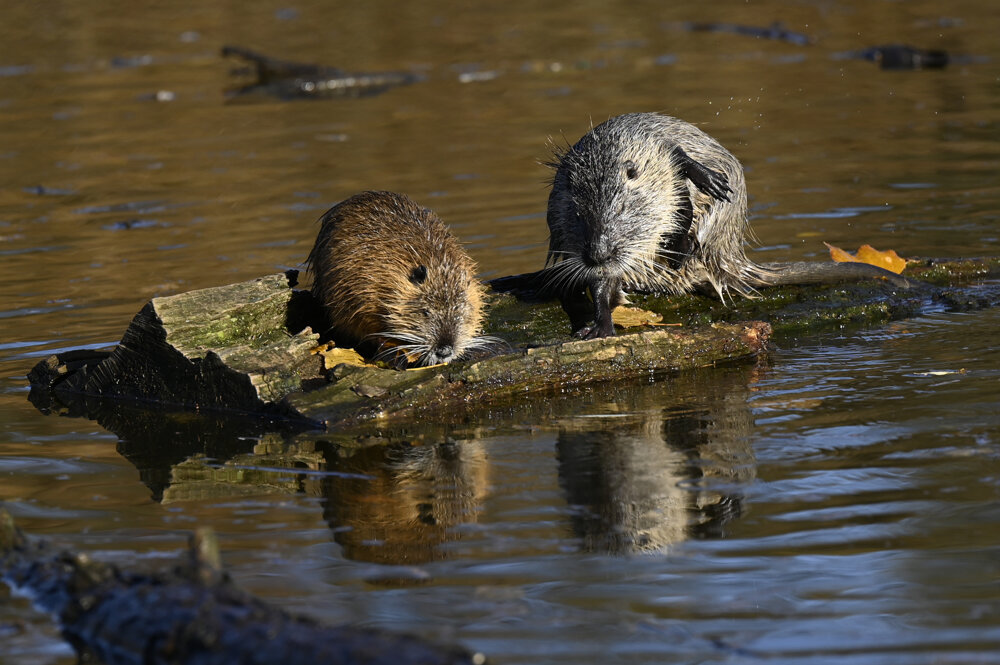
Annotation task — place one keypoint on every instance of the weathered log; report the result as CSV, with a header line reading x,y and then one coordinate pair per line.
x,y
191,614
249,347
246,348
357,394
952,284
223,348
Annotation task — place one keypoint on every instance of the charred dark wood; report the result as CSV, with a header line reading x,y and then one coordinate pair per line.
x,y
191,614
226,348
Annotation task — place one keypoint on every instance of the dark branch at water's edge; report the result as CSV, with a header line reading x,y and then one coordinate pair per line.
x,y
192,613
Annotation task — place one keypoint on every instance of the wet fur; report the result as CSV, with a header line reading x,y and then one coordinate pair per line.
x,y
390,276
649,203
625,214
639,220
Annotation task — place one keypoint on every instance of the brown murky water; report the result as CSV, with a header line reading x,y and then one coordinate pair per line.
x,y
838,503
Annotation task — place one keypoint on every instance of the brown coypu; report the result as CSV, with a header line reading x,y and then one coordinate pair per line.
x,y
392,279
649,203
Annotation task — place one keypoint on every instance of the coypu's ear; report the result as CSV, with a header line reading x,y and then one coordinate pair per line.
x,y
418,274
710,182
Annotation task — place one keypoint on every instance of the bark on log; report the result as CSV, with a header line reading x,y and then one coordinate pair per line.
x,y
191,614
225,348
359,394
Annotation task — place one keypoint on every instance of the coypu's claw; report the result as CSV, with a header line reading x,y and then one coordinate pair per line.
x,y
595,331
710,182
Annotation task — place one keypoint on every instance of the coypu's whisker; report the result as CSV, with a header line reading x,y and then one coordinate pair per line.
x,y
486,343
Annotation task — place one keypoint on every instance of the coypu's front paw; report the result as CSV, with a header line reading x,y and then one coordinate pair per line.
x,y
710,182
594,332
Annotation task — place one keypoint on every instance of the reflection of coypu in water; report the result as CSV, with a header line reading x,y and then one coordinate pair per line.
x,y
391,278
673,468
646,202
398,504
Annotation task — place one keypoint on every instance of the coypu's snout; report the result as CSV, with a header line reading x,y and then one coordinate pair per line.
x,y
600,242
441,347
598,250
442,352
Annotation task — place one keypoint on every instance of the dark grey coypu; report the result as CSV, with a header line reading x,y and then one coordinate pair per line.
x,y
391,278
649,203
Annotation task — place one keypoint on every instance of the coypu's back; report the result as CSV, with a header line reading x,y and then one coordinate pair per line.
x,y
388,273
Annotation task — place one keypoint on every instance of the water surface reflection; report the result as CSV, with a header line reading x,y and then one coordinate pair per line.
x,y
854,522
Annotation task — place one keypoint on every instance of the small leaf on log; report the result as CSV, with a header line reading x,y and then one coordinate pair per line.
x,y
887,259
333,356
868,254
631,317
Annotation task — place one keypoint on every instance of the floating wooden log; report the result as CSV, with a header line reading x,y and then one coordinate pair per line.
x,y
251,347
192,613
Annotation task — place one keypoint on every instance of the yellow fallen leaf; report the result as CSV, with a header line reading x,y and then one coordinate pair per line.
x,y
630,317
333,356
868,254
887,259
839,255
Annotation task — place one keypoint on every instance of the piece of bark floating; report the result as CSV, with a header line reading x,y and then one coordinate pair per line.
x,y
247,347
192,613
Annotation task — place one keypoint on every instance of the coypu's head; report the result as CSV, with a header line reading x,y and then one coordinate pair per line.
x,y
616,194
434,313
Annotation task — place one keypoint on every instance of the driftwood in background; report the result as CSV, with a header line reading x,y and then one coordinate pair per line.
x,y
249,347
192,613
285,79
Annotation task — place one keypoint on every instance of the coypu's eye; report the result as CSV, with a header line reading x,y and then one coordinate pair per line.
x,y
418,274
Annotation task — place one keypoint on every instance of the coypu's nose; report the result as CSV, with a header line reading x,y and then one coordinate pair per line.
x,y
596,253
